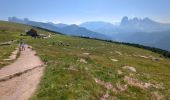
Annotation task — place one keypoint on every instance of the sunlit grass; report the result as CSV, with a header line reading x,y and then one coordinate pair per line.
x,y
61,83
67,78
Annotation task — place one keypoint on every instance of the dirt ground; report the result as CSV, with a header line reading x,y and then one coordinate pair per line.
x,y
19,80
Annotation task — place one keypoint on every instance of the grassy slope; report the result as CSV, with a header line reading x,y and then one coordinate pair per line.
x,y
60,83
65,77
5,52
8,32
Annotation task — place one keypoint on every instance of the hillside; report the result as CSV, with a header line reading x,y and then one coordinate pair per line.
x,y
72,30
78,68
134,30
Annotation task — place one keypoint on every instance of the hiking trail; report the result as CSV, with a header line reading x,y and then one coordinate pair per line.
x,y
19,80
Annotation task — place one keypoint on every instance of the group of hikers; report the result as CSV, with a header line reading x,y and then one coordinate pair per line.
x,y
21,45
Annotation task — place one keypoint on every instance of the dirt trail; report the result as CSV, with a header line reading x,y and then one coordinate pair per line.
x,y
19,80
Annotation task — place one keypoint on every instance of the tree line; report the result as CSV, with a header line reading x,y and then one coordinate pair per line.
x,y
163,53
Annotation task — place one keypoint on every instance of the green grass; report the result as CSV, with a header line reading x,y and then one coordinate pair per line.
x,y
8,32
5,52
59,83
66,78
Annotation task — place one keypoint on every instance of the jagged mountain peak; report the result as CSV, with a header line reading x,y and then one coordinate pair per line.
x,y
126,20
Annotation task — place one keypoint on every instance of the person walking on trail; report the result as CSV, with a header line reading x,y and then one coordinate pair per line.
x,y
21,45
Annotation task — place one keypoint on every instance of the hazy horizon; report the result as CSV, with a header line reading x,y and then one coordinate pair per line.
x,y
114,23
79,11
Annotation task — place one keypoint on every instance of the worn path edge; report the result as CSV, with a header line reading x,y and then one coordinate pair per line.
x,y
19,80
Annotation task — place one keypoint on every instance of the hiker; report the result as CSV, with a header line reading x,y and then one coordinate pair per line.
x,y
21,45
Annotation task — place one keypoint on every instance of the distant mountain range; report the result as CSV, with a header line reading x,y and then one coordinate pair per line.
x,y
136,30
142,25
142,31
127,25
73,30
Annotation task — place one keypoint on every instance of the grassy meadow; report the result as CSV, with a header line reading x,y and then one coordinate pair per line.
x,y
87,69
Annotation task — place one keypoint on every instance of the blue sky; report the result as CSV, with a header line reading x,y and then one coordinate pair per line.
x,y
77,11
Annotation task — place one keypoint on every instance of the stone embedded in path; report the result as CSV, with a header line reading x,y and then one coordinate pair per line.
x,y
30,47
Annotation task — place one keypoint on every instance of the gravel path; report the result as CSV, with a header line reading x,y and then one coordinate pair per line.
x,y
19,80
